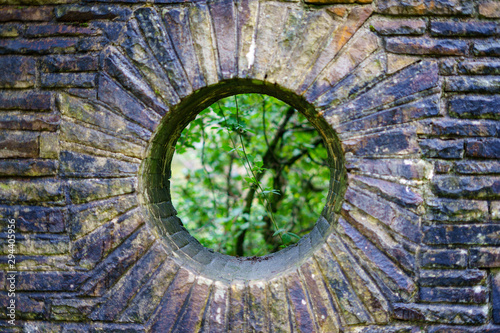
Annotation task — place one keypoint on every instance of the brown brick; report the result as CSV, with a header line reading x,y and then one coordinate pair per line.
x,y
18,144
490,9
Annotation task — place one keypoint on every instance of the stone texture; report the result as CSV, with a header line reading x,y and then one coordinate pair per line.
x,y
449,278
475,106
490,9
487,148
427,46
444,259
467,187
426,7
400,27
19,72
486,48
465,29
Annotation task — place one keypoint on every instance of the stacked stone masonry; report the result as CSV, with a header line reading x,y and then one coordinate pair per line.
x,y
412,88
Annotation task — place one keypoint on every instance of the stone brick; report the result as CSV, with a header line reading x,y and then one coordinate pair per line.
x,y
477,295
460,128
19,144
407,169
486,48
426,7
333,2
60,63
490,9
10,30
482,84
444,258
49,30
38,46
37,244
449,314
448,67
92,44
475,106
456,210
477,167
84,13
464,29
427,46
18,72
441,166
495,210
33,218
400,27
34,190
485,257
485,148
495,295
452,278
85,190
462,234
83,165
28,167
36,122
394,142
49,145
29,101
33,13
467,187
50,281
448,149
68,80
479,67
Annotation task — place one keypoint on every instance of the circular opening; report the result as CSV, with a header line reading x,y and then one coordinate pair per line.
x,y
156,195
249,176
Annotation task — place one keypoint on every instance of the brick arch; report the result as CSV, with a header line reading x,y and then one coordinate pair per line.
x,y
361,273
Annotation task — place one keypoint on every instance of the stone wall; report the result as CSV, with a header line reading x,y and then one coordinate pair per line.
x,y
406,94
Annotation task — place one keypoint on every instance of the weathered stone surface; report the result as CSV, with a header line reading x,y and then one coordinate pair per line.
x,y
10,30
476,295
467,187
29,101
19,144
427,46
466,29
117,98
400,27
112,267
49,145
477,167
426,7
486,48
86,218
48,30
448,149
278,306
460,128
83,13
444,258
33,218
60,63
236,306
495,296
38,46
173,300
37,244
391,142
485,148
150,294
485,257
475,106
479,67
462,234
34,13
98,115
451,314
177,20
456,210
300,304
36,122
401,114
482,84
69,80
50,281
18,72
452,278
495,210
35,190
85,190
490,9
394,279
73,132
407,169
84,165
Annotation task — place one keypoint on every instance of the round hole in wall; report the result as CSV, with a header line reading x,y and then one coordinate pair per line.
x,y
157,182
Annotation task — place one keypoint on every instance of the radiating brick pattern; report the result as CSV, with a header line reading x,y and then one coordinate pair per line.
x,y
412,88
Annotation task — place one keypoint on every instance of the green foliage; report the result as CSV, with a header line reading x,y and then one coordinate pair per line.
x,y
249,176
